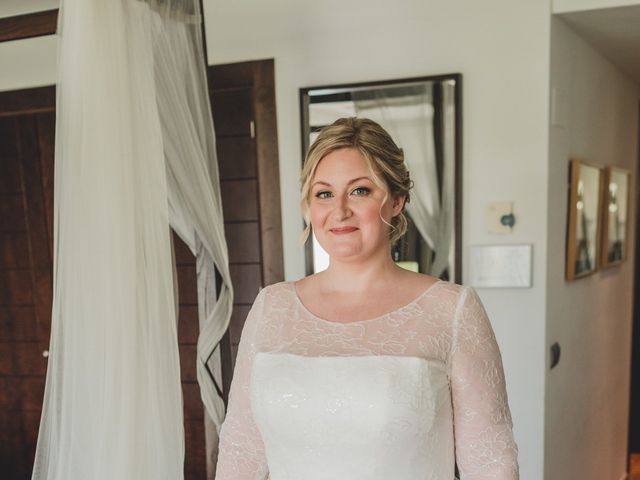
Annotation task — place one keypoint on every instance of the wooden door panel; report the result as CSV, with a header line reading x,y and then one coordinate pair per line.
x,y
12,215
15,287
188,363
14,455
25,283
21,394
21,358
193,409
247,281
14,252
46,144
232,111
241,242
187,284
188,324
239,157
18,323
239,200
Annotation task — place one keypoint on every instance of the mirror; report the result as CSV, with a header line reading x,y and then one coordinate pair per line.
x,y
423,115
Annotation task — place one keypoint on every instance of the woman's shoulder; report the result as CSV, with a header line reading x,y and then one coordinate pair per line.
x,y
276,292
421,283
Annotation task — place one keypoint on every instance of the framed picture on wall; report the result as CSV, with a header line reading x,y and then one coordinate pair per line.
x,y
583,233
615,207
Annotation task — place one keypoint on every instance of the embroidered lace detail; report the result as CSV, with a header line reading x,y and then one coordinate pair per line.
x,y
446,328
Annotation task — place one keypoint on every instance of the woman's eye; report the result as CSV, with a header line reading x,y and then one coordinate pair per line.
x,y
323,195
361,191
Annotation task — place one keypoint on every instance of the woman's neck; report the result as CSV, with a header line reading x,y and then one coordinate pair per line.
x,y
357,277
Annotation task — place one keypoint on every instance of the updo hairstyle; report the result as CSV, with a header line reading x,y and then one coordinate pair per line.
x,y
384,159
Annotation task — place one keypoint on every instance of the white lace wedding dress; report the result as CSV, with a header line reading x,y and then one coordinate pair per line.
x,y
403,396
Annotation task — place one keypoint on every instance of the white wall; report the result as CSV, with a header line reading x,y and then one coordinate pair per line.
x,y
564,6
501,48
587,394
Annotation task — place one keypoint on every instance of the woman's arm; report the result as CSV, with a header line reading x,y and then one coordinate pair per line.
x,y
485,448
241,450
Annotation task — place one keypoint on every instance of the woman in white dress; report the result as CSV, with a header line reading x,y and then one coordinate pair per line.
x,y
365,371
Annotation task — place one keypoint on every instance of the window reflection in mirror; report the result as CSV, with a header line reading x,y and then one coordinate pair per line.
x,y
423,115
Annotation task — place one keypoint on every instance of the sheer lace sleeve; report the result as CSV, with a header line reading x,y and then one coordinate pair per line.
x,y
484,443
241,454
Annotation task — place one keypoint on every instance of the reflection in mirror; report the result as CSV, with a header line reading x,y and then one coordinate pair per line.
x,y
423,115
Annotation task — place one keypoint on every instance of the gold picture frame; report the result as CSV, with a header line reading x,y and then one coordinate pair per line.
x,y
615,216
584,222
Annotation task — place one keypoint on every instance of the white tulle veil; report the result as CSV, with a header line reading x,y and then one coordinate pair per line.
x,y
135,156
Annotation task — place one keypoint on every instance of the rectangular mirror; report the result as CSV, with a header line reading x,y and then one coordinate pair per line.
x,y
424,117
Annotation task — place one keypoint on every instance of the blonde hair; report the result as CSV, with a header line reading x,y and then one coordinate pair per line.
x,y
384,159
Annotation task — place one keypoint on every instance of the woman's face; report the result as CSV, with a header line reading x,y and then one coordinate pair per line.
x,y
345,207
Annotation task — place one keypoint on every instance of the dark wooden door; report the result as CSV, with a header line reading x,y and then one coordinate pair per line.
x,y
26,224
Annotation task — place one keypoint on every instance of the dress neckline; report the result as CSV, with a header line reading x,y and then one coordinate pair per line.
x,y
365,320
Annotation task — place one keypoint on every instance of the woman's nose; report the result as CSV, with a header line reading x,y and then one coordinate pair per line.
x,y
342,209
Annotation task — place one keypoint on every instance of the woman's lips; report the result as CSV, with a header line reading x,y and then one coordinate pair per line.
x,y
342,230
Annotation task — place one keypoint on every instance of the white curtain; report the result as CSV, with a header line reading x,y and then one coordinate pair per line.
x,y
409,120
135,156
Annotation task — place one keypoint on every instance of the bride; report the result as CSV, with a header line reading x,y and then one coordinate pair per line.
x,y
365,370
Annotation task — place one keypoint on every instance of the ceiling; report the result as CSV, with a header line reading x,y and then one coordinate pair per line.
x,y
614,32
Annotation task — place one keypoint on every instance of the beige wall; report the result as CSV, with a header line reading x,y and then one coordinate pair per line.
x,y
586,405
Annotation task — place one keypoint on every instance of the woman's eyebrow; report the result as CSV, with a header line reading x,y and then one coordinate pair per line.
x,y
322,182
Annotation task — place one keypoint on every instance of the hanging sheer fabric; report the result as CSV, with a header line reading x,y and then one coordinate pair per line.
x,y
135,155
409,120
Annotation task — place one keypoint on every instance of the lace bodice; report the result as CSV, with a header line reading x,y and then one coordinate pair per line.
x,y
403,395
